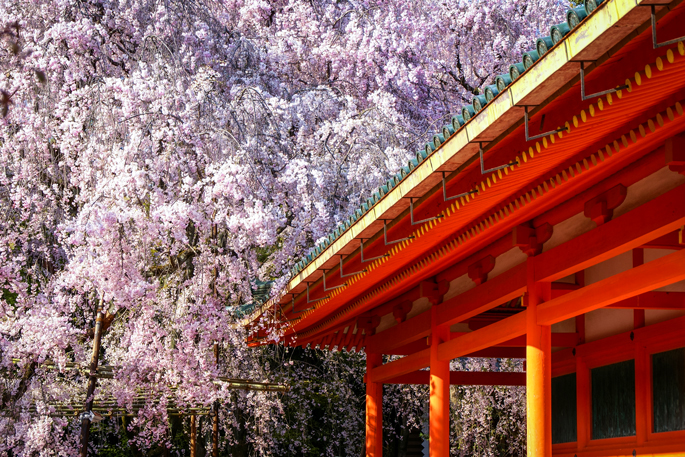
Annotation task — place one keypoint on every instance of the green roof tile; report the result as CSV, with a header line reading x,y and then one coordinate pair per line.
x,y
543,44
478,102
591,5
448,131
502,81
429,148
529,58
574,16
457,122
516,70
558,32
468,112
491,92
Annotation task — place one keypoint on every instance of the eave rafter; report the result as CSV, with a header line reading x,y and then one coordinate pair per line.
x,y
632,144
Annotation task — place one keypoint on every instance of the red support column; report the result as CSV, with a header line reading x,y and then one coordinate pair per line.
x,y
374,409
538,370
580,320
439,418
638,314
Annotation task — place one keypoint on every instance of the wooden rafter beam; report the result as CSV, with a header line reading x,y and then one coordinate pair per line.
x,y
466,378
507,349
651,220
653,300
400,335
657,273
670,241
399,367
500,353
639,280
656,218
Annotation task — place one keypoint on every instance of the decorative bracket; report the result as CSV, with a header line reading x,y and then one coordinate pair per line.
x,y
597,94
601,208
411,214
434,291
325,289
531,239
444,190
400,311
525,120
361,249
482,162
342,275
654,41
314,301
385,235
293,303
478,271
363,260
368,324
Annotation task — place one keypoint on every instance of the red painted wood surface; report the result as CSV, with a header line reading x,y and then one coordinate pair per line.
x,y
374,410
439,387
538,370
466,378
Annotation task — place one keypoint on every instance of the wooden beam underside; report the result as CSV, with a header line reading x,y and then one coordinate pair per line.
x,y
651,220
466,378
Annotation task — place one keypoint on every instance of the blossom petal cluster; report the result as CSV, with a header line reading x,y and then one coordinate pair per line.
x,y
157,158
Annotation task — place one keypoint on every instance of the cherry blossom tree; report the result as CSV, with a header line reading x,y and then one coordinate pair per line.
x,y
159,157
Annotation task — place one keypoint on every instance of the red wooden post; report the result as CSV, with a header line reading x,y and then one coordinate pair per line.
x,y
538,370
439,418
638,314
580,320
374,409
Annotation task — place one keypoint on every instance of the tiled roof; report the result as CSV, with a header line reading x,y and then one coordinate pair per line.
x,y
557,32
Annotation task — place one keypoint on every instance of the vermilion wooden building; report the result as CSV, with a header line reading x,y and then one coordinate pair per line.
x,y
548,226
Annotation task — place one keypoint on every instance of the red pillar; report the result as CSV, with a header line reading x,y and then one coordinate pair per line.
x,y
374,410
580,320
638,314
538,370
439,418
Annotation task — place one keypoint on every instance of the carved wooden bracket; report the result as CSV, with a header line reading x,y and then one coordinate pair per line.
x,y
530,239
434,291
478,271
601,208
400,311
368,324
675,154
